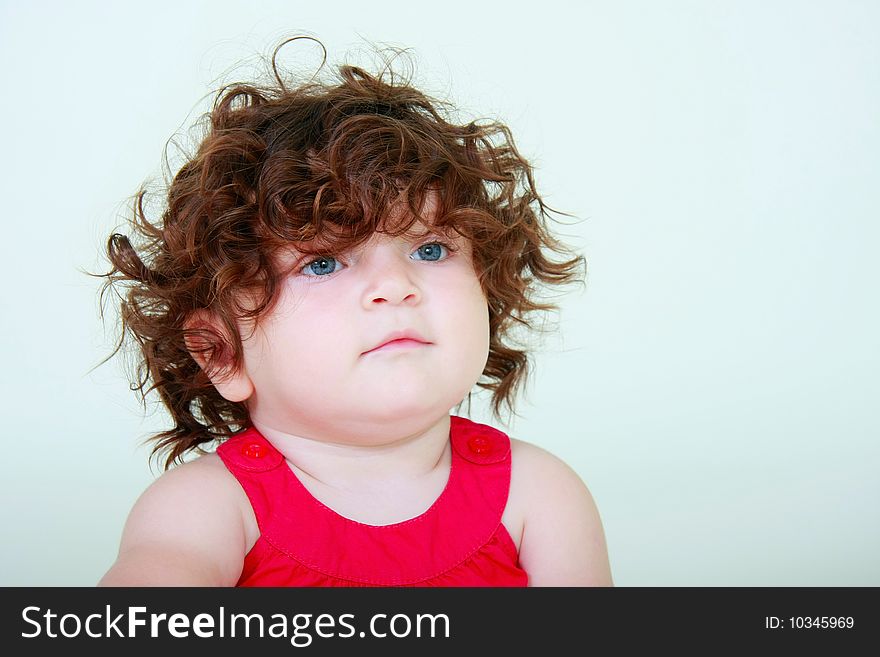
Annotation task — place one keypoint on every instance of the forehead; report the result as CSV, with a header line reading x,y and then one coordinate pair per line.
x,y
399,219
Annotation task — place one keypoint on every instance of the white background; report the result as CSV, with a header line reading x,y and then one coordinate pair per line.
x,y
715,384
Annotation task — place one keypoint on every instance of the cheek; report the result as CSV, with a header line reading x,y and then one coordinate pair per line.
x,y
313,337
481,327
467,314
310,338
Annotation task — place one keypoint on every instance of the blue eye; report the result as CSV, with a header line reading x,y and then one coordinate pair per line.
x,y
432,251
321,266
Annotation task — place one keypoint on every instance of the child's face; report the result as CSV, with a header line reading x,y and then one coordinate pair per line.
x,y
313,366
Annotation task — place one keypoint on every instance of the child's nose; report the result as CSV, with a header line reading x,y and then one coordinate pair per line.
x,y
390,279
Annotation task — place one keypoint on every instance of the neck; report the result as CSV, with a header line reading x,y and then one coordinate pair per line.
x,y
352,466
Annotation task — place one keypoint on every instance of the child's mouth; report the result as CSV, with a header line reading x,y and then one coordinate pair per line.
x,y
400,339
398,344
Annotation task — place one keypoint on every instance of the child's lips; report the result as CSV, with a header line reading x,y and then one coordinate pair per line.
x,y
399,340
395,345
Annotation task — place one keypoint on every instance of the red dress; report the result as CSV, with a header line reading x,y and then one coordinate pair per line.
x,y
459,541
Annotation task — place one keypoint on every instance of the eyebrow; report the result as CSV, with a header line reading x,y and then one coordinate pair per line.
x,y
431,229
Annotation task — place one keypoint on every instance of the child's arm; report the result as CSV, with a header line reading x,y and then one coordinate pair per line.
x,y
563,543
186,529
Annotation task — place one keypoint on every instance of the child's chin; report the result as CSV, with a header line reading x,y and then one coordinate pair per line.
x,y
407,407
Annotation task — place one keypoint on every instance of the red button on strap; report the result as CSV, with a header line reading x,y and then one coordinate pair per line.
x,y
254,450
480,445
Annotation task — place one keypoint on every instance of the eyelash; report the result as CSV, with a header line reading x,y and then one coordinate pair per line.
x,y
449,248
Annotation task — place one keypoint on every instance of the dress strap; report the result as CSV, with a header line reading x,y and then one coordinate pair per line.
x,y
479,443
250,451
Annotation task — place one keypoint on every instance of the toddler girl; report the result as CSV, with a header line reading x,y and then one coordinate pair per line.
x,y
335,269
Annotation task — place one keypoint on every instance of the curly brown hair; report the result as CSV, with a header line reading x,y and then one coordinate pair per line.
x,y
329,160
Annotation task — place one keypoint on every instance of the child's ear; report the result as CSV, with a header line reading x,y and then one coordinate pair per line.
x,y
205,335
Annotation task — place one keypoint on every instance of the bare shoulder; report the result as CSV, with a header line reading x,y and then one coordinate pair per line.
x,y
189,527
532,459
539,476
191,488
204,481
563,541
